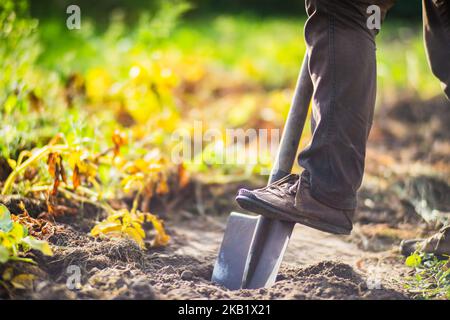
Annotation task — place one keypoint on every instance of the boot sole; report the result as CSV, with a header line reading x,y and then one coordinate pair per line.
x,y
267,210
407,250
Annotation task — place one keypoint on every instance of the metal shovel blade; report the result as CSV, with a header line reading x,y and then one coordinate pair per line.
x,y
231,264
266,253
241,262
253,247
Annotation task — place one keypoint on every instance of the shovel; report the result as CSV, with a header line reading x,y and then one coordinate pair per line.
x,y
253,246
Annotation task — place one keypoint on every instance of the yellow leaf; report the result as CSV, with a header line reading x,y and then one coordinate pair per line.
x,y
119,139
40,245
23,281
162,238
76,181
46,249
132,182
183,176
8,274
124,223
138,227
133,234
162,187
4,254
98,83
17,231
12,163
105,227
413,260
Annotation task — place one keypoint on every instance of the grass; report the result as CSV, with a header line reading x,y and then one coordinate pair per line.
x,y
431,279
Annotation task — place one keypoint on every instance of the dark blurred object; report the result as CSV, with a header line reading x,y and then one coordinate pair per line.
x,y
99,10
410,9
5,169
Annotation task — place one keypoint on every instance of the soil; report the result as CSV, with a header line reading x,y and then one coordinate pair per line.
x,y
316,266
407,177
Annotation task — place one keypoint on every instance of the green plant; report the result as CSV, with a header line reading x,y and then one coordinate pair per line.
x,y
15,241
144,176
431,279
18,53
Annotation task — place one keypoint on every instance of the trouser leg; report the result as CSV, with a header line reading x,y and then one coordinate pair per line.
x,y
436,26
342,66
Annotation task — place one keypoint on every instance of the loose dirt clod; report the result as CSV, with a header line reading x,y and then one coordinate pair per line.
x,y
187,275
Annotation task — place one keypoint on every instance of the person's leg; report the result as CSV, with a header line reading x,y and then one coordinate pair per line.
x,y
436,27
343,69
436,30
341,51
438,244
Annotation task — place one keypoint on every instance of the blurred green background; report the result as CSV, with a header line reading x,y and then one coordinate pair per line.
x,y
152,66
405,9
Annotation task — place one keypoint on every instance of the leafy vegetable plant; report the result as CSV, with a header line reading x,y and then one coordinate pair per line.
x,y
125,223
15,241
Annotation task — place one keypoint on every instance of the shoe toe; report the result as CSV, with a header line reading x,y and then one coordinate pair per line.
x,y
407,247
244,192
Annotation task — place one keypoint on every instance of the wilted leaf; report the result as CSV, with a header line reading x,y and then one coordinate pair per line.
x,y
51,162
8,274
161,238
106,227
162,187
119,139
23,281
82,166
183,176
136,236
56,170
129,224
76,177
131,182
23,208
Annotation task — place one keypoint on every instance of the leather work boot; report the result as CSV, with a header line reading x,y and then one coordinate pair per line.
x,y
290,200
438,244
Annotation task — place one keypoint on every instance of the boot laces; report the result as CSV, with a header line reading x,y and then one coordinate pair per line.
x,y
284,188
442,235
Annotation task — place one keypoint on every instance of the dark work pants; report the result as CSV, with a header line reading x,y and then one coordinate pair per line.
x,y
342,66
